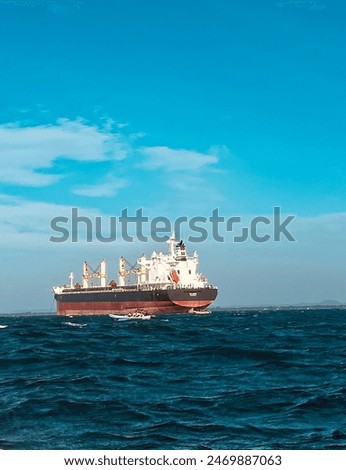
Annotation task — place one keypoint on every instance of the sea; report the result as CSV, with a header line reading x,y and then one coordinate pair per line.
x,y
236,379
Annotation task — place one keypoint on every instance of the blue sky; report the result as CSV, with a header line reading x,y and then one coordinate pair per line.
x,y
179,108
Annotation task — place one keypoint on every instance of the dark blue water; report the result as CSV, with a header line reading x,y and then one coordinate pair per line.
x,y
231,380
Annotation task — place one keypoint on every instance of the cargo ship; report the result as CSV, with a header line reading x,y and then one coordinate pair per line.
x,y
163,283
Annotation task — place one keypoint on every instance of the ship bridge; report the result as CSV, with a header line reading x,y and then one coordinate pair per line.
x,y
174,268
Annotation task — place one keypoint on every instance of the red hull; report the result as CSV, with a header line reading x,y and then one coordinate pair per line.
x,y
106,308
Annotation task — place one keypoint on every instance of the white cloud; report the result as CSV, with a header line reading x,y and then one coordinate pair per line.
x,y
27,154
162,157
220,152
26,223
121,125
107,188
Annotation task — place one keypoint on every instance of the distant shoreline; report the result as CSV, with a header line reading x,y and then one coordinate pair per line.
x,y
283,307
238,308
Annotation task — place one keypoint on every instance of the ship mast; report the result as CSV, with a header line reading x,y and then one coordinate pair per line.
x,y
99,273
171,243
122,271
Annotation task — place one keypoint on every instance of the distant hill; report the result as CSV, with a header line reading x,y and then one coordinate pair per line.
x,y
330,302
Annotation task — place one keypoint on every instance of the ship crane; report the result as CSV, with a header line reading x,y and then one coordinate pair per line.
x,y
98,273
123,272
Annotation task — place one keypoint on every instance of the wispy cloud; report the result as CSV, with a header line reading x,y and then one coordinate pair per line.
x,y
168,159
108,187
30,156
25,223
27,154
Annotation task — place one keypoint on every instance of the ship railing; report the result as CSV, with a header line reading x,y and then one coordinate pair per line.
x,y
133,287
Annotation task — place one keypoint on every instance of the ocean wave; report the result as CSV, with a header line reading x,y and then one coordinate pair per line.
x,y
228,380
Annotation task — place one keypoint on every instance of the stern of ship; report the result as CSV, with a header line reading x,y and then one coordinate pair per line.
x,y
192,298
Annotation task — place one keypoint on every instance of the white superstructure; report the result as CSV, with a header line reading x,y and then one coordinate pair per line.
x,y
175,268
172,270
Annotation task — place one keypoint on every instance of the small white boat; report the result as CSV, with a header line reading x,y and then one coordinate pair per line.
x,y
130,316
3,327
200,312
118,317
